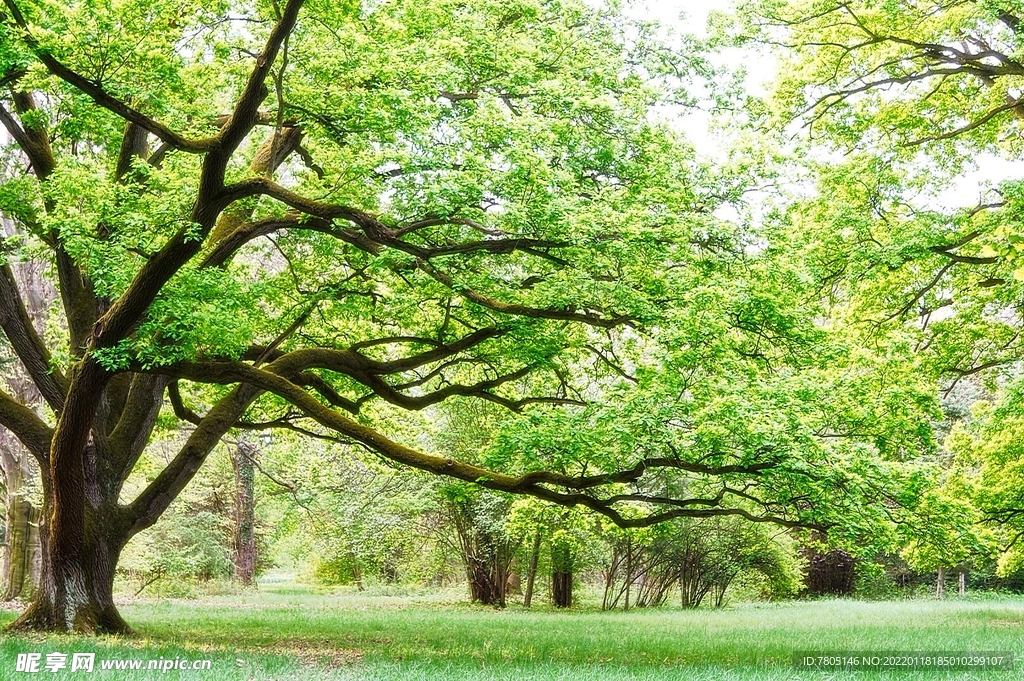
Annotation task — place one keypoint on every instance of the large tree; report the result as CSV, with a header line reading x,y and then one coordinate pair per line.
x,y
317,216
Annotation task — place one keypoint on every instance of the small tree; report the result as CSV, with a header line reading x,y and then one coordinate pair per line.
x,y
484,544
701,557
945,534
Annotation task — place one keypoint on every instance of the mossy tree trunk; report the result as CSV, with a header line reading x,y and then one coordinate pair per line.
x,y
21,564
76,591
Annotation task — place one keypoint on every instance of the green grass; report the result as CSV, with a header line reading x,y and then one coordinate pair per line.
x,y
285,632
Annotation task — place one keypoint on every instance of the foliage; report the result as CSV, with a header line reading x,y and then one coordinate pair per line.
x,y
186,545
899,101
986,446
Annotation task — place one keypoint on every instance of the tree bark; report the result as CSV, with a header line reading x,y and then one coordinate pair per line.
x,y
104,418
244,559
940,583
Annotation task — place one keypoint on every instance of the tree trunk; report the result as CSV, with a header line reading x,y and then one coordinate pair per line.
x,y
357,573
962,583
629,569
76,588
21,555
487,556
21,560
531,575
940,583
487,580
84,528
244,559
561,576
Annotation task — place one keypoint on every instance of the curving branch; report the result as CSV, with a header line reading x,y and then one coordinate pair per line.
x,y
525,310
33,139
182,412
375,236
26,426
272,379
147,507
28,346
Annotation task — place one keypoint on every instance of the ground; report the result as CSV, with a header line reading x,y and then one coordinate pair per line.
x,y
288,632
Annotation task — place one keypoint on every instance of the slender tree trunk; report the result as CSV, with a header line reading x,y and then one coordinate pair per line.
x,y
561,576
629,569
501,570
242,461
357,573
962,587
940,583
531,575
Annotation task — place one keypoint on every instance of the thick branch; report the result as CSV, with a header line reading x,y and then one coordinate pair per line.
x,y
246,113
158,495
17,326
269,380
26,426
131,435
79,303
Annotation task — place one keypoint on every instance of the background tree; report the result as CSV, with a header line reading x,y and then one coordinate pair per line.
x,y
480,519
243,465
913,95
21,561
988,453
700,557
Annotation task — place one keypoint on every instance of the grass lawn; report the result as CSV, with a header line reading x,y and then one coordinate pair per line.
x,y
292,633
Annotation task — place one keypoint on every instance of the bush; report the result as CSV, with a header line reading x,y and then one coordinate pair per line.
x,y
186,547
